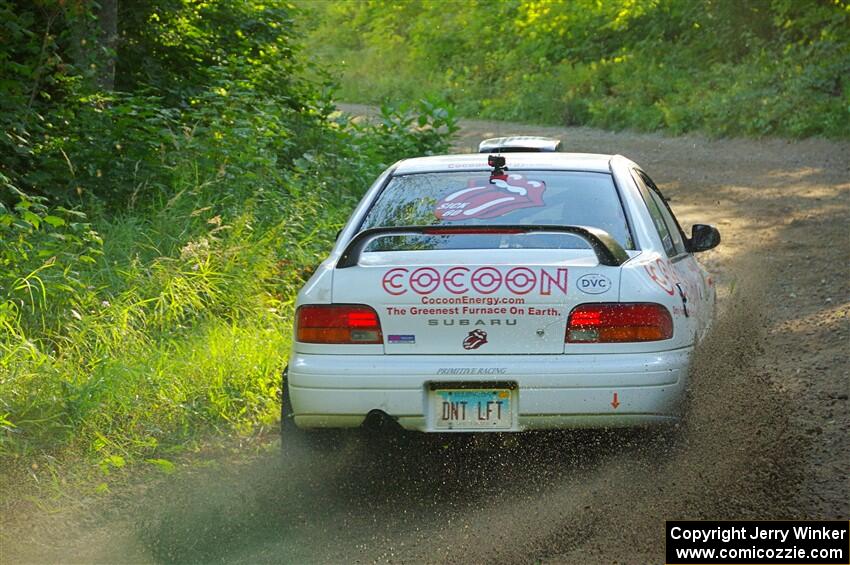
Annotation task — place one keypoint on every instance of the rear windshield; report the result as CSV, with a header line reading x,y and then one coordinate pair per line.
x,y
473,198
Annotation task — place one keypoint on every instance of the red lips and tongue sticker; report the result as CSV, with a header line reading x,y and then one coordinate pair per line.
x,y
491,198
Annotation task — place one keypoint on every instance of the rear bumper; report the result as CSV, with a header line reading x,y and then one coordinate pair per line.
x,y
553,391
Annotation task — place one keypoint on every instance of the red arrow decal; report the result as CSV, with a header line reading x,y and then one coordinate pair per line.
x,y
615,403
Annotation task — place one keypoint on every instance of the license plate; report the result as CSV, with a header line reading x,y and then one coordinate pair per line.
x,y
471,409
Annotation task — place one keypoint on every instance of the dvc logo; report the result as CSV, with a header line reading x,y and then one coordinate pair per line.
x,y
593,283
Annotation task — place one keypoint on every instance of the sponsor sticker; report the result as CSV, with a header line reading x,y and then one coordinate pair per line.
x,y
401,338
666,276
472,371
663,275
481,280
475,339
593,283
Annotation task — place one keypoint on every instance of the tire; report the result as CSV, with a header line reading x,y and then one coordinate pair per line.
x,y
287,417
295,441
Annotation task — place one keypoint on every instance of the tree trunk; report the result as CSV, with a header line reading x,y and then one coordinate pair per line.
x,y
107,44
94,39
77,14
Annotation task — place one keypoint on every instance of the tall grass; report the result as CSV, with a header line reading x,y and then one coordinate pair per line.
x,y
179,327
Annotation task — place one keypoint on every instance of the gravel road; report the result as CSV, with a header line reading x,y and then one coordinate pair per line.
x,y
767,433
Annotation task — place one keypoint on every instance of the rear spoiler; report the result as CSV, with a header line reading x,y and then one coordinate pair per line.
x,y
608,251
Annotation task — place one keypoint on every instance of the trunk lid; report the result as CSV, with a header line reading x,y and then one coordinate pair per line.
x,y
482,302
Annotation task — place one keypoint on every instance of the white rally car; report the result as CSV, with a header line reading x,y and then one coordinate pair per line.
x,y
509,292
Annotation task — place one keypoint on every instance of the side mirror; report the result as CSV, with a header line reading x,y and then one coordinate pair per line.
x,y
704,237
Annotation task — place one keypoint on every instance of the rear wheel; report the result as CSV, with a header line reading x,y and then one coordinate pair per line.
x,y
294,440
288,429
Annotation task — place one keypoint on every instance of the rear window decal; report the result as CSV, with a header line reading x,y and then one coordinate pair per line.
x,y
490,198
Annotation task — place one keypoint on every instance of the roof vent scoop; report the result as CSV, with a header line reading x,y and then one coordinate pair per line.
x,y
520,144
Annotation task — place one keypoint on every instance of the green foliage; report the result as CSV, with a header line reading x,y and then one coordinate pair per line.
x,y
407,130
32,74
727,68
42,254
181,319
152,238
179,47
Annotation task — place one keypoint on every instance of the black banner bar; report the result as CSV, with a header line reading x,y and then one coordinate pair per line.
x,y
765,542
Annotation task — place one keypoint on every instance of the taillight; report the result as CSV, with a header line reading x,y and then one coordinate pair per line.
x,y
337,323
611,323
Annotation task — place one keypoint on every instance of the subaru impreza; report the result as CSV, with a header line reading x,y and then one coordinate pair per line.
x,y
503,291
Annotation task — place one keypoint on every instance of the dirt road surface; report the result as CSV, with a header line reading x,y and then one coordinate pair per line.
x,y
767,433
